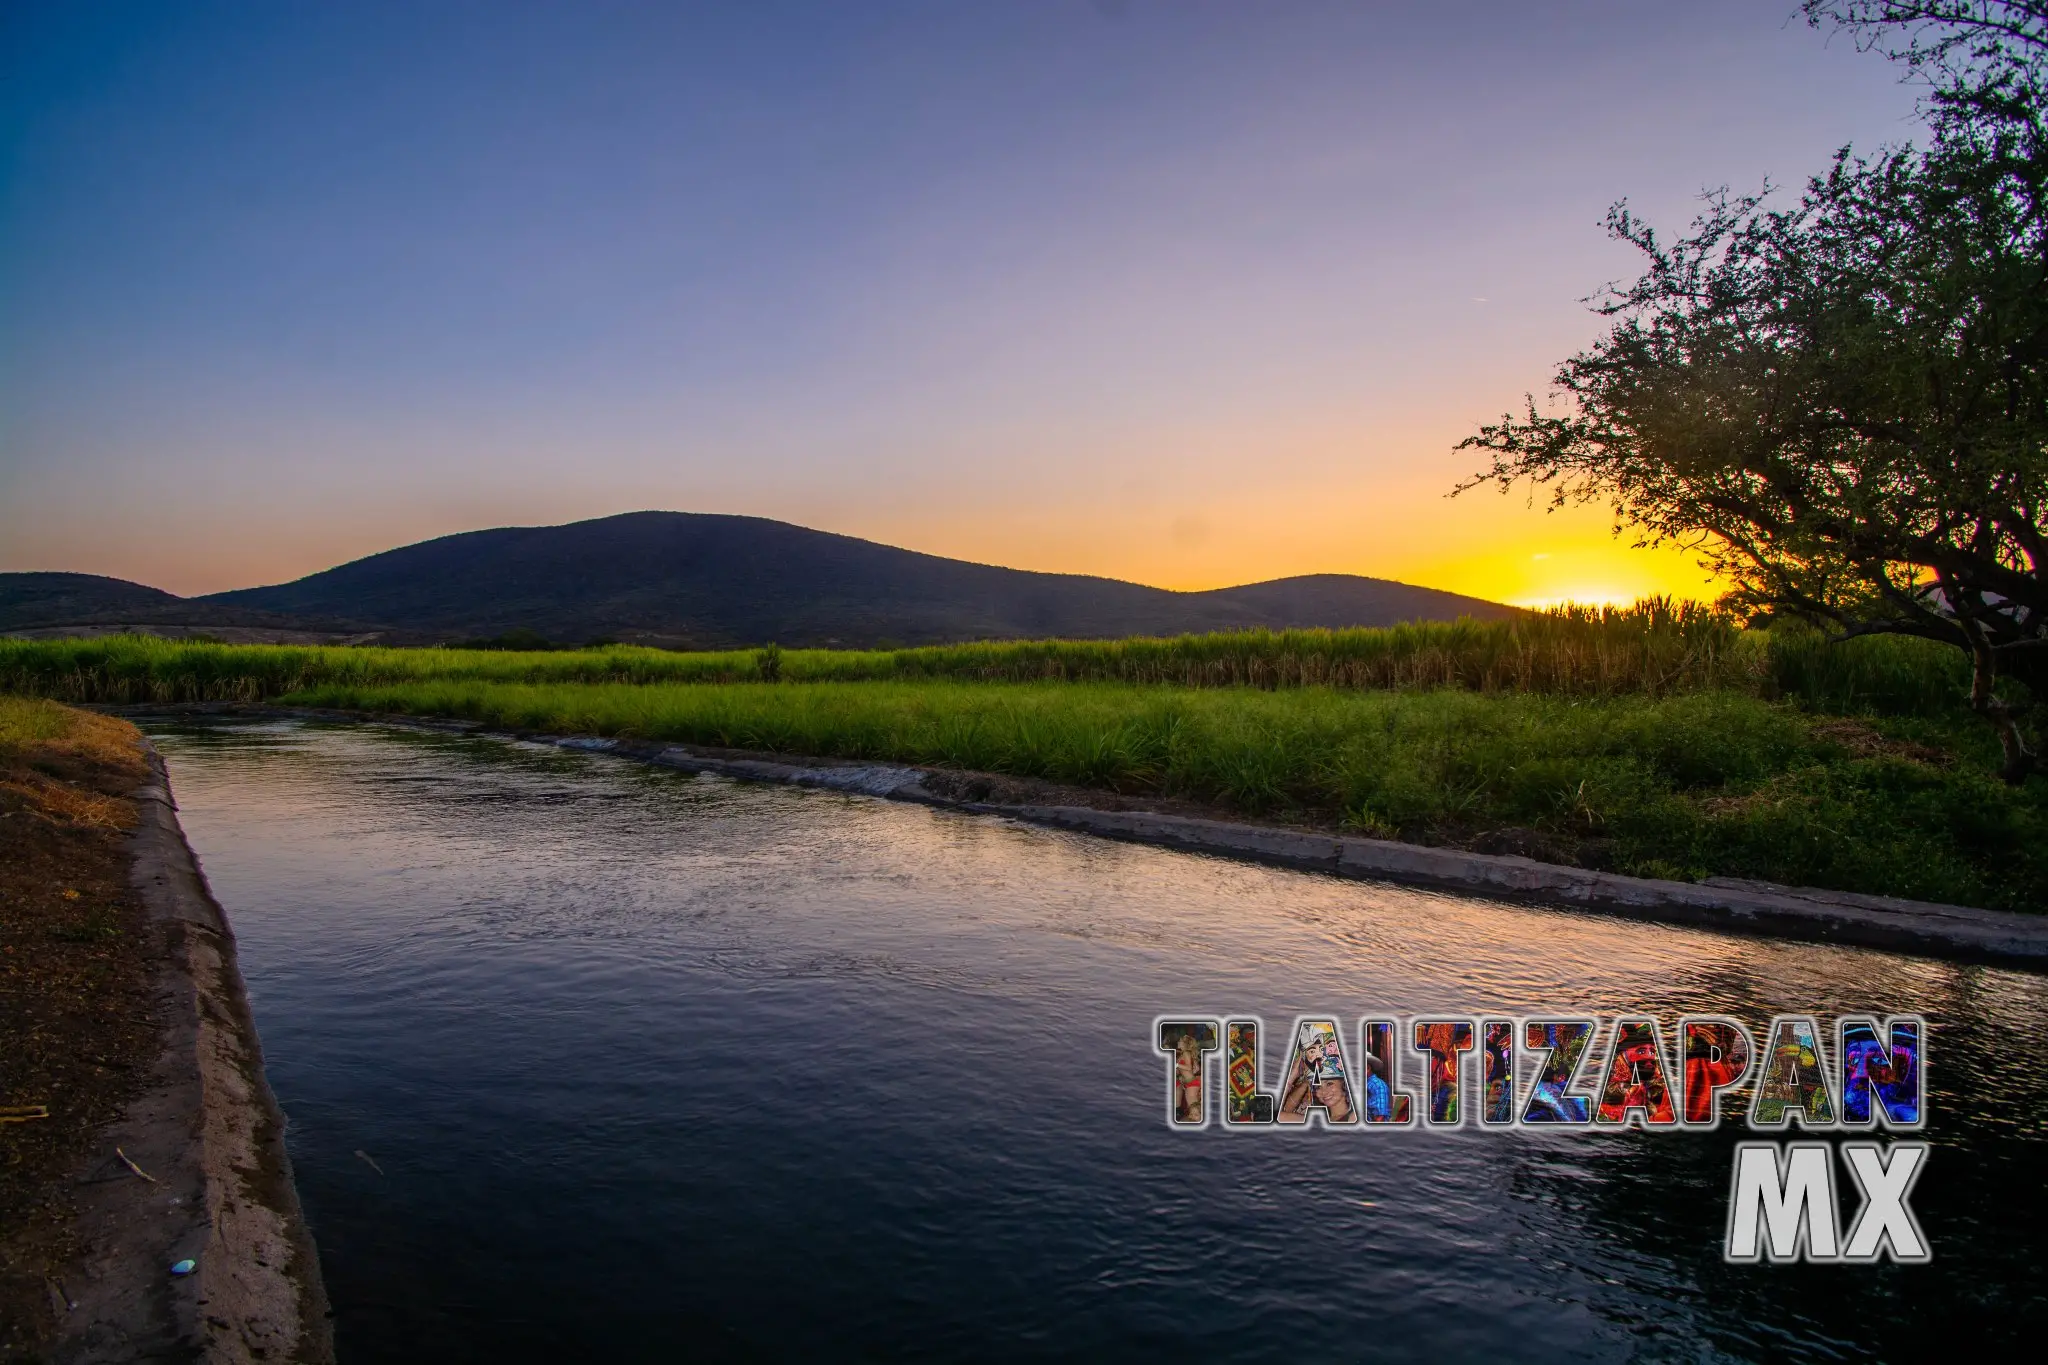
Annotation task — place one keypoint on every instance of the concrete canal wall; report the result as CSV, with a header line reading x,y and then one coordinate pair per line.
x,y
1807,914
1803,913
201,1172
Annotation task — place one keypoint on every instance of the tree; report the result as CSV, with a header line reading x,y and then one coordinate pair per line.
x,y
1843,404
1980,59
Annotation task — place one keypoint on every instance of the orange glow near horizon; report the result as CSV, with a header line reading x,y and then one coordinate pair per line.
x,y
1189,505
1606,572
1186,296
1481,545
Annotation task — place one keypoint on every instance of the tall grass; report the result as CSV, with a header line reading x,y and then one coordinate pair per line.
x,y
1656,648
1663,740
1681,786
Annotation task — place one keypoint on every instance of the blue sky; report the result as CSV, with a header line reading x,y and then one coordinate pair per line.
x,y
1187,293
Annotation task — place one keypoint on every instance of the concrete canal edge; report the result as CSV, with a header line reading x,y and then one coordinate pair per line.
x,y
1806,914
1954,932
209,1135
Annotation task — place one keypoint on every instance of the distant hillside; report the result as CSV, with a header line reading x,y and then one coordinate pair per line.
x,y
47,599
688,579
89,604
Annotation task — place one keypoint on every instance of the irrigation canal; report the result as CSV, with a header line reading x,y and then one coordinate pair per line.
x,y
590,1060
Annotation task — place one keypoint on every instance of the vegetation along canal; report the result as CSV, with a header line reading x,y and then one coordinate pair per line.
x,y
585,1060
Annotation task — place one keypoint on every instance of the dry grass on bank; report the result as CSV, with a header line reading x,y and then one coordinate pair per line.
x,y
58,764
77,962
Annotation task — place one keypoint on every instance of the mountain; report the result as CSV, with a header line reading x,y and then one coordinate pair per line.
x,y
697,580
57,604
48,599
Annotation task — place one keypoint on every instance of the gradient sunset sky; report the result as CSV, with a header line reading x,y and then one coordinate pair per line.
x,y
1187,293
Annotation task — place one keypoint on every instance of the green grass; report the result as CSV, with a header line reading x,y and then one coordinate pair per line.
x,y
1656,649
1677,786
57,763
1662,739
26,722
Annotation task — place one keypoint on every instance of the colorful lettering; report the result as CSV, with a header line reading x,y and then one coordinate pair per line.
x,y
1794,1079
1443,1040
1637,1079
1385,1100
1189,1042
1497,1078
1317,1077
1243,1101
1562,1045
1892,1075
1717,1055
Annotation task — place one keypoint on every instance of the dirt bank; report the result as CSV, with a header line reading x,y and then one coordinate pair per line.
x,y
148,1134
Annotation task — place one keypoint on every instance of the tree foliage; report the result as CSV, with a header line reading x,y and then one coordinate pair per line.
x,y
1980,59
1843,402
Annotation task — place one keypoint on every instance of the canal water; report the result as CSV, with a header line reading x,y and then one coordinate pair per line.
x,y
585,1060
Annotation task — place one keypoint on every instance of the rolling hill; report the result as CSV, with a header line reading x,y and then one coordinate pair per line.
x,y
696,580
39,599
678,578
88,604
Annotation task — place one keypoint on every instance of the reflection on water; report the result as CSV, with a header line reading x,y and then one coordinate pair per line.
x,y
653,1063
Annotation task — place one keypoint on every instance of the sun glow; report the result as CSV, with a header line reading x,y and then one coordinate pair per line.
x,y
1583,595
1554,560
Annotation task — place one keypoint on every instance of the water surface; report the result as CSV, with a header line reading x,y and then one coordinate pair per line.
x,y
588,1060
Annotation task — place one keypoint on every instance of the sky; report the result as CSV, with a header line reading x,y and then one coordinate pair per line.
x,y
1186,293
